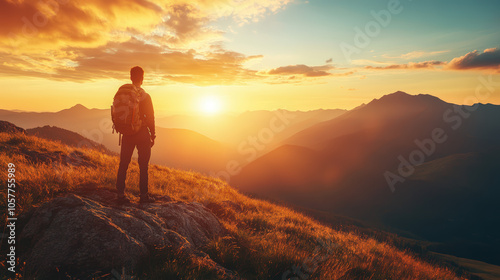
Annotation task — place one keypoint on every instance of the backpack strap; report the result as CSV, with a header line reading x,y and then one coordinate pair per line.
x,y
137,90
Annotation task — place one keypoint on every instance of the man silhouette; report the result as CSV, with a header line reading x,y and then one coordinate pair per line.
x,y
144,139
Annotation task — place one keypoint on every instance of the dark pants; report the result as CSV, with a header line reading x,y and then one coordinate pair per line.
x,y
142,140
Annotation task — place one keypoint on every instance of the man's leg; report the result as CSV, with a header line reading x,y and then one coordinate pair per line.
x,y
144,151
126,152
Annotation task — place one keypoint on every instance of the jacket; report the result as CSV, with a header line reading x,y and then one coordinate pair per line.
x,y
147,113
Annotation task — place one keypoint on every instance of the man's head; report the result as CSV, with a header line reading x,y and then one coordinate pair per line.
x,y
137,75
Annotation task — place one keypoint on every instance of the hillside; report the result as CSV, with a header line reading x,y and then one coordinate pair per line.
x,y
66,137
10,128
460,193
357,148
343,165
215,232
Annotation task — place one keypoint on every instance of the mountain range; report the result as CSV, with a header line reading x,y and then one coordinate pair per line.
x,y
409,162
70,226
204,144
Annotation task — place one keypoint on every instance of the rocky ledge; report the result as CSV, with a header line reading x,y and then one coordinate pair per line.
x,y
79,234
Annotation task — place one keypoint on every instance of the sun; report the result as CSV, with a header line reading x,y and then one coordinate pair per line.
x,y
210,105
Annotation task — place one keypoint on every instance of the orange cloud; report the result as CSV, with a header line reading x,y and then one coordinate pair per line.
x,y
115,59
415,54
411,65
183,24
95,39
301,69
54,23
33,26
489,59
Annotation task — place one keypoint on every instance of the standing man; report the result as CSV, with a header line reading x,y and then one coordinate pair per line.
x,y
144,139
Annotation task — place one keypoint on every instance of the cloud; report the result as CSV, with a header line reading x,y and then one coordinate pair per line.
x,y
93,39
301,69
343,74
489,59
115,59
31,26
184,24
54,23
368,61
411,65
300,74
416,54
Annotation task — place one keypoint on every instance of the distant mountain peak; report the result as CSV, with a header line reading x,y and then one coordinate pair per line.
x,y
401,97
401,93
78,107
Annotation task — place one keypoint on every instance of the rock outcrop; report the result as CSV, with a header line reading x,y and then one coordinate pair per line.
x,y
89,233
10,127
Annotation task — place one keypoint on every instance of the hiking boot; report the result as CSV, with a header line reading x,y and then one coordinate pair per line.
x,y
146,199
123,200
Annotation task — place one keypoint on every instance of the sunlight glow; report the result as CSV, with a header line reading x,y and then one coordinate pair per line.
x,y
210,105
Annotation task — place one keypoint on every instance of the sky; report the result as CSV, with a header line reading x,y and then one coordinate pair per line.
x,y
218,56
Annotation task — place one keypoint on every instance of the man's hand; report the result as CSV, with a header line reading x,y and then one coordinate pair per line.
x,y
152,141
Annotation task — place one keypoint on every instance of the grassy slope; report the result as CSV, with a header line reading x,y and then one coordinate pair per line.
x,y
264,241
484,270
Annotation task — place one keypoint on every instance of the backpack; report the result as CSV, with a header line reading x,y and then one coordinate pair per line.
x,y
125,110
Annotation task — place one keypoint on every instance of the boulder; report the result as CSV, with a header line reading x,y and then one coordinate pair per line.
x,y
88,233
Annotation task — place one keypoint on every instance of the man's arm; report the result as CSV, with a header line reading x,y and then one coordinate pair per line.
x,y
150,116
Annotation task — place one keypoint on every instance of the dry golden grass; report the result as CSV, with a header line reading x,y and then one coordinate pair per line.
x,y
264,241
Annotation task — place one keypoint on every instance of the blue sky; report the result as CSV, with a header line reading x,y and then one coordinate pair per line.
x,y
310,32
